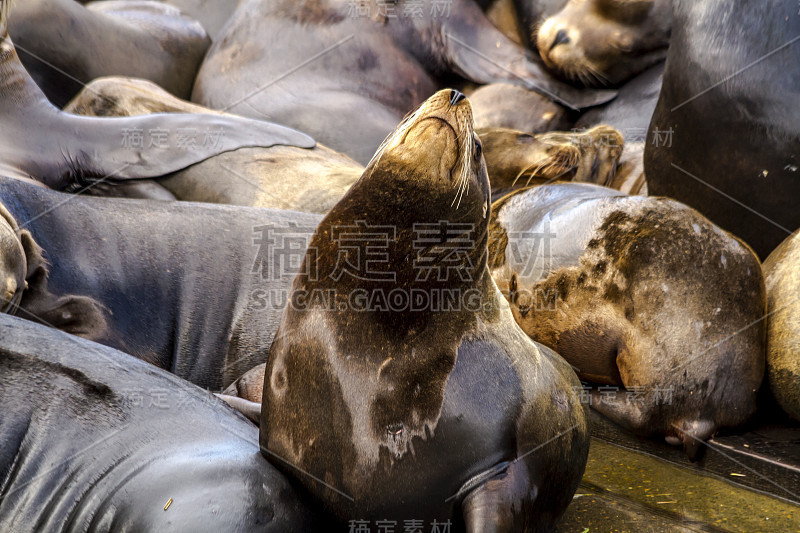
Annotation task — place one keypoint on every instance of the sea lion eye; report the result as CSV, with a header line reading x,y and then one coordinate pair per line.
x,y
478,149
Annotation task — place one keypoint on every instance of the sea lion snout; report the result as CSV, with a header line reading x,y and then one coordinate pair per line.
x,y
561,38
456,96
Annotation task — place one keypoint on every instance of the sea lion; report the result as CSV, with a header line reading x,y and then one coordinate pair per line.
x,y
196,289
131,38
389,391
727,124
503,105
346,71
516,159
211,14
604,42
643,295
64,151
282,177
783,330
503,16
113,444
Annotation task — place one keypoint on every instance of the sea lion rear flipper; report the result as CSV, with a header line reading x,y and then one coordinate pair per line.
x,y
251,410
151,146
499,499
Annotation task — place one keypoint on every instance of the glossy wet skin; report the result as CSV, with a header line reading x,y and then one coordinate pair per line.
x,y
734,167
95,440
388,396
605,42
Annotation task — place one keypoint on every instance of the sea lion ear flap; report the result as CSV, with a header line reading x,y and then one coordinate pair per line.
x,y
78,315
36,264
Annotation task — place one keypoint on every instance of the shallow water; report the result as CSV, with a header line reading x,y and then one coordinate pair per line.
x,y
624,491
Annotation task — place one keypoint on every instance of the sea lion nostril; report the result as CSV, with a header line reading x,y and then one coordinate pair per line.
x,y
561,38
395,430
456,96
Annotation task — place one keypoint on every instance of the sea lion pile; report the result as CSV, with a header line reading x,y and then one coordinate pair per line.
x,y
332,265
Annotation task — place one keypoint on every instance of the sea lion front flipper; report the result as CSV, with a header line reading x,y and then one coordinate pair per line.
x,y
496,501
251,410
481,53
151,146
617,407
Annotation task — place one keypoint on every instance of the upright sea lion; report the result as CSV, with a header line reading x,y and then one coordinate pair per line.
x,y
604,42
346,71
94,440
783,324
196,289
727,124
283,177
427,410
62,150
65,45
642,295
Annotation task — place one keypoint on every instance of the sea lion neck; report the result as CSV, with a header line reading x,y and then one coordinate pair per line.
x,y
17,88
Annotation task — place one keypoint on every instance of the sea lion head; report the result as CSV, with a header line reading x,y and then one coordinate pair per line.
x,y
604,42
430,170
436,150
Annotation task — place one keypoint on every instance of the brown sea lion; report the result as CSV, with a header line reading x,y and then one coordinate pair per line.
x,y
642,295
368,398
783,324
24,286
516,159
605,42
